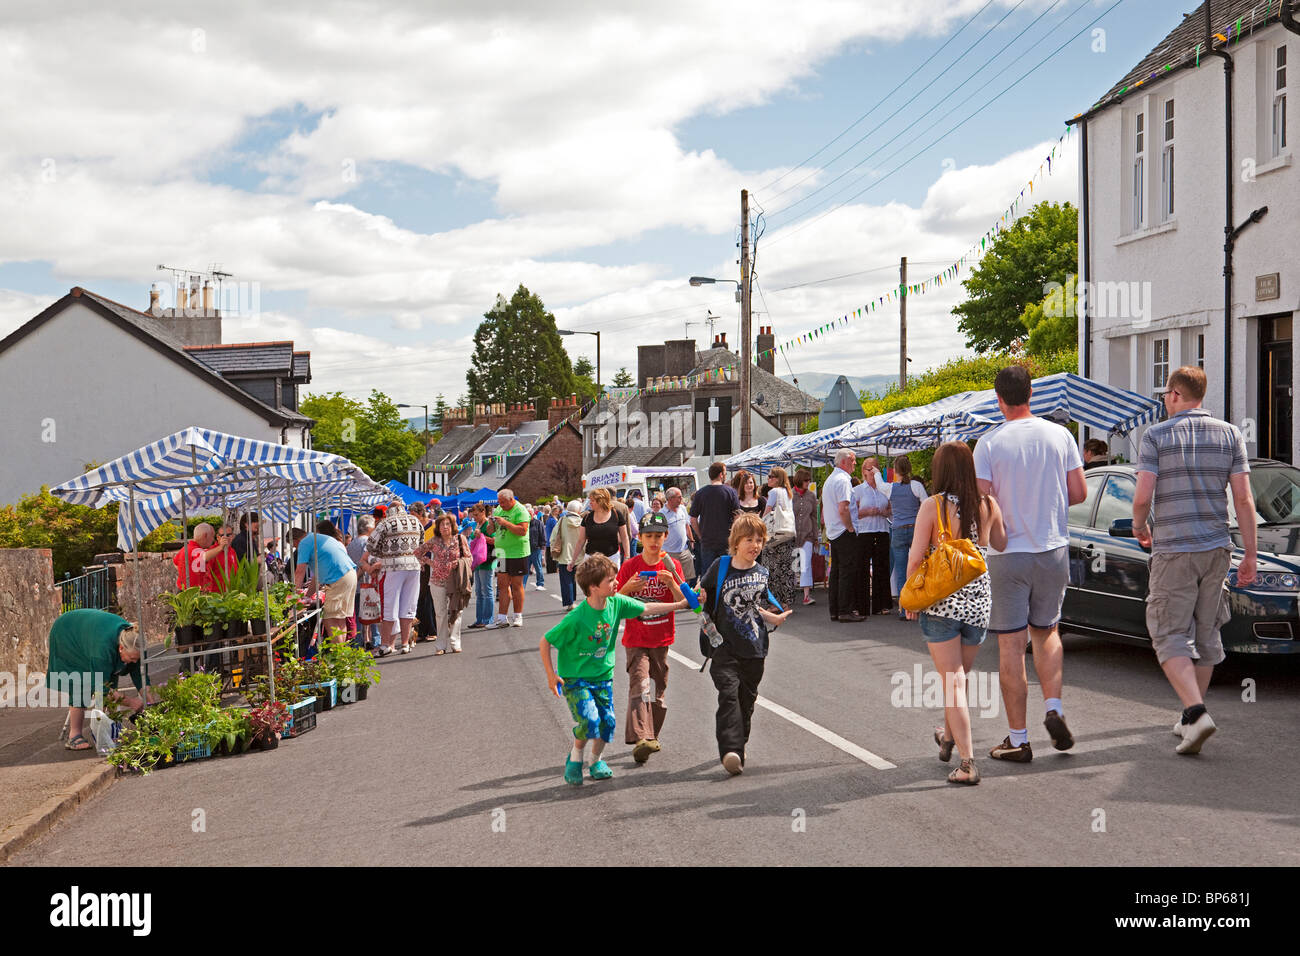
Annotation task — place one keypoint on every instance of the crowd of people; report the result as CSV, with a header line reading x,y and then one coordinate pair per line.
x,y
744,550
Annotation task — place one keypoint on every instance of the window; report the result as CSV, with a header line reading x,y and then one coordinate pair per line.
x,y
1200,350
1138,191
1167,166
478,466
1159,363
1279,101
1116,502
1080,513
501,466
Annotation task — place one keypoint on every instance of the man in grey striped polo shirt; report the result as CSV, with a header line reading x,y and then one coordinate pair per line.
x,y
1186,464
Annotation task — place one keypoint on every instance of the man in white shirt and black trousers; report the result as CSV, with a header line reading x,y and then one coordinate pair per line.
x,y
837,499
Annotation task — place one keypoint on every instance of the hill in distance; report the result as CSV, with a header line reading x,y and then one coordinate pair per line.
x,y
819,383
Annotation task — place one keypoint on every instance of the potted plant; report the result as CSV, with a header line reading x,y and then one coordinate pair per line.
x,y
353,668
209,616
184,605
267,721
317,681
229,733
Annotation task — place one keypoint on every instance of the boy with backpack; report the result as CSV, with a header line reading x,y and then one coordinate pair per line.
x,y
585,639
737,639
648,576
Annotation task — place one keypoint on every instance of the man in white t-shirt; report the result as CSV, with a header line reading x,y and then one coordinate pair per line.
x,y
837,498
1032,467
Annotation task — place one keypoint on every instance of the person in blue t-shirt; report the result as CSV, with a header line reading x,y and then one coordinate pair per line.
x,y
335,572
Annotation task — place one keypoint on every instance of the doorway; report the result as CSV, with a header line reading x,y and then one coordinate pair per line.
x,y
1275,388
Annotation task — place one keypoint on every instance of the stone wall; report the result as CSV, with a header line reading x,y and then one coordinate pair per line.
x,y
29,603
158,574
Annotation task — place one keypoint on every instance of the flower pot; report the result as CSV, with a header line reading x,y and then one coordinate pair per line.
x,y
215,632
362,691
258,625
236,629
266,741
188,634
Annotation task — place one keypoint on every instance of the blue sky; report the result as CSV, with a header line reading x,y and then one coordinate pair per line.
x,y
601,181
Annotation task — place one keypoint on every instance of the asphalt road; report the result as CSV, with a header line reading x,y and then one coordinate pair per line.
x,y
458,760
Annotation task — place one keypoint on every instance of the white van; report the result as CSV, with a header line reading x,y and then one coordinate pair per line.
x,y
647,479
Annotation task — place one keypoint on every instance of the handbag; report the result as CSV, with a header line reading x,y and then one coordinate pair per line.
x,y
949,567
372,600
780,524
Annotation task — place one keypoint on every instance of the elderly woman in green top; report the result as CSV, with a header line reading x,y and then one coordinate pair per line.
x,y
89,650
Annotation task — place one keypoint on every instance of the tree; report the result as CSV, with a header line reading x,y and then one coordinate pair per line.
x,y
584,378
518,355
374,436
584,368
1053,324
623,380
1042,247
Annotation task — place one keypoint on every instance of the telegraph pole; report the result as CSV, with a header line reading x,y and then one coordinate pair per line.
x,y
746,345
902,323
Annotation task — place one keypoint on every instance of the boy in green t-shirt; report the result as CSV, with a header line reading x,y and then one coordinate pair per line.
x,y
586,639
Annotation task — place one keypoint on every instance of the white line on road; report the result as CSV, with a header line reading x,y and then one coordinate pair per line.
x,y
814,728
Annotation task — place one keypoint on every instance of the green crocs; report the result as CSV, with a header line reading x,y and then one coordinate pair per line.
x,y
600,770
573,772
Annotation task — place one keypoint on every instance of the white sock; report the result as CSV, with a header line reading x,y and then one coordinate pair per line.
x,y
576,754
1054,703
1019,738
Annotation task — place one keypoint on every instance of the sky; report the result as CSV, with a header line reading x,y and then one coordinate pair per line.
x,y
374,175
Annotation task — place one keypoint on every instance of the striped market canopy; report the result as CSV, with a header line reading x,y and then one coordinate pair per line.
x,y
197,470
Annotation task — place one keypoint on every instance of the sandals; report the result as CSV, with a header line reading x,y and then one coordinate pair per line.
x,y
967,767
945,745
78,742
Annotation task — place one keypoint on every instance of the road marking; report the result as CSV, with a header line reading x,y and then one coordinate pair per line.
x,y
556,596
814,728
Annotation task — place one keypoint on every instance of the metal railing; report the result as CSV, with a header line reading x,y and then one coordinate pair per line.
x,y
91,590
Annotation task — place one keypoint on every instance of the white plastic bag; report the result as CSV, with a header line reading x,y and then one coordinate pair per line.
x,y
103,731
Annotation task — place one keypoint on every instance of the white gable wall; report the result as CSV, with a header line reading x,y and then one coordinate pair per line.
x,y
99,392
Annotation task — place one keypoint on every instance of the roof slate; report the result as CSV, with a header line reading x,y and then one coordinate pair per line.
x,y
263,358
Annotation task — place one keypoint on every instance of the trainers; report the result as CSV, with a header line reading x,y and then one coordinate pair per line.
x,y
1195,734
573,772
1004,751
643,749
732,762
600,771
1179,726
518,621
498,621
1055,724
539,587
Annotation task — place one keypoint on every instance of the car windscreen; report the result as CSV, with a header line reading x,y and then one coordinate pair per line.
x,y
1276,489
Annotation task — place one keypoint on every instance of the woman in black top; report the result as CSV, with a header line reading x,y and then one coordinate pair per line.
x,y
604,530
751,502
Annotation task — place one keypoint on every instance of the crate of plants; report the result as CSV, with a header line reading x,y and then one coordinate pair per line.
x,y
352,668
267,721
302,718
186,722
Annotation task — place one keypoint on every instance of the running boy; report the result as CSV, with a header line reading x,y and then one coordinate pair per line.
x,y
648,576
585,639
743,623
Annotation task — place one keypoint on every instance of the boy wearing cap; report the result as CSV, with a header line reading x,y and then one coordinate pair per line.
x,y
651,576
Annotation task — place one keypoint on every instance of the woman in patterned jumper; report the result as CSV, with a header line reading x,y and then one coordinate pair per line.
x,y
440,554
964,614
391,547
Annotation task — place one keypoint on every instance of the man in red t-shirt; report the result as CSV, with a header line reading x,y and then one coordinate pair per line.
x,y
211,559
647,638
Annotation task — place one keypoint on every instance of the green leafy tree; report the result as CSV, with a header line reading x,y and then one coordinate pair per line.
x,y
623,380
1053,324
374,436
584,377
518,354
1042,247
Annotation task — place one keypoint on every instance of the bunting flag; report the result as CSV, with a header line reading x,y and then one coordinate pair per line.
x,y
1231,33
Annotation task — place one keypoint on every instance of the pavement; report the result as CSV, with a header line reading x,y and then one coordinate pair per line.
x,y
458,760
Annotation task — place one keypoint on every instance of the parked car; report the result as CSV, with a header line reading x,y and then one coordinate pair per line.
x,y
1109,569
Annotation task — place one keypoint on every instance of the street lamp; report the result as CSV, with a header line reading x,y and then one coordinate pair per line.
x,y
597,334
705,280
425,456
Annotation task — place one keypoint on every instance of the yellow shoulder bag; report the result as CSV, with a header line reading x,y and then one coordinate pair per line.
x,y
949,567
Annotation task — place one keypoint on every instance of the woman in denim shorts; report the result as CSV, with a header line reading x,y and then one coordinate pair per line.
x,y
965,613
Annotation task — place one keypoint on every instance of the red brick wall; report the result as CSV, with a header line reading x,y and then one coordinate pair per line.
x,y
539,477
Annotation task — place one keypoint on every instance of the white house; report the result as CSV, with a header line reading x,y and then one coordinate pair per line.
x,y
89,380
1153,201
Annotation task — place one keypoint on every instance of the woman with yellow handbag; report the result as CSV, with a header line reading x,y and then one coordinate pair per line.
x,y
948,587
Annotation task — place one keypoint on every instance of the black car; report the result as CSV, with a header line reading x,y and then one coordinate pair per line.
x,y
1109,569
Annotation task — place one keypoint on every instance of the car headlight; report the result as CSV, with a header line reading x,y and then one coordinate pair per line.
x,y
1269,580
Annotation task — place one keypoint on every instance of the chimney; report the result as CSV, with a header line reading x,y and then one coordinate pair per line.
x,y
182,298
560,409
649,363
766,343
154,306
207,297
520,413
497,415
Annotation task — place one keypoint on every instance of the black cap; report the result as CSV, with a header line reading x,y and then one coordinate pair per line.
x,y
655,521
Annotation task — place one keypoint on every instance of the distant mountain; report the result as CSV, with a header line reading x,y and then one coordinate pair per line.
x,y
819,383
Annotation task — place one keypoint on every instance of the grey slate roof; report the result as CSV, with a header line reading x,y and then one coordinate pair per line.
x,y
518,447
457,446
247,358
642,457
302,366
775,391
1178,49
164,340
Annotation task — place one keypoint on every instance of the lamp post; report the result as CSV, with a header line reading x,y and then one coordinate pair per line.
x,y
745,344
597,334
425,457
